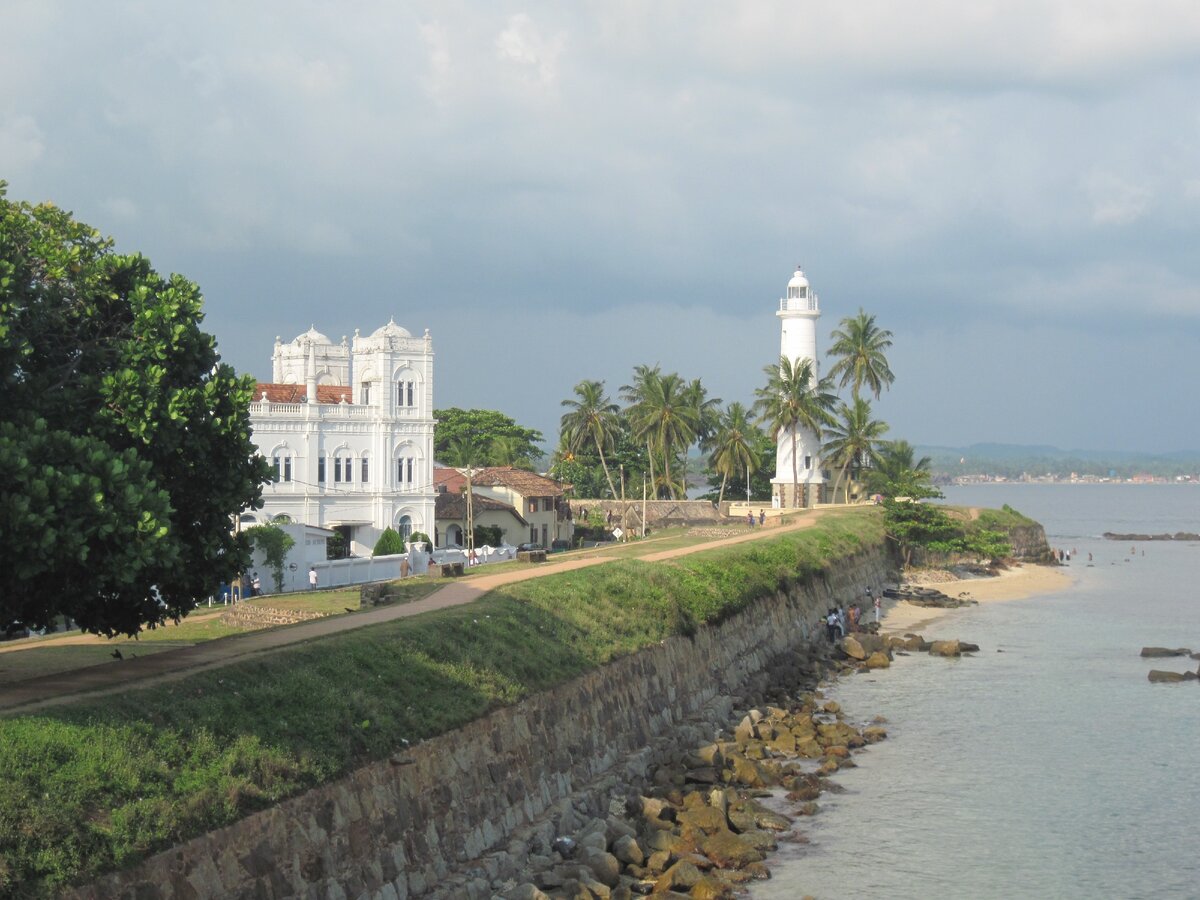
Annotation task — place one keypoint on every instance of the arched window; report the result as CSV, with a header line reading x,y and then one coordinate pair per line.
x,y
343,466
405,472
405,526
281,464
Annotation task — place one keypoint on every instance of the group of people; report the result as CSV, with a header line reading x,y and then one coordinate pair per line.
x,y
762,517
840,621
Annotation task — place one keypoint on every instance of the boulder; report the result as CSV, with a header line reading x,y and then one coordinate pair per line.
x,y
873,734
872,642
1161,652
852,648
945,648
604,866
729,851
1158,676
628,851
695,823
682,877
746,772
525,892
878,660
744,732
709,889
967,647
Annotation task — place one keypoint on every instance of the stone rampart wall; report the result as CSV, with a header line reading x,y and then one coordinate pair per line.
x,y
438,819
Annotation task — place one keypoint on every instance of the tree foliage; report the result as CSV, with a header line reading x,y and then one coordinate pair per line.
x,y
853,439
274,544
125,441
481,429
859,350
389,543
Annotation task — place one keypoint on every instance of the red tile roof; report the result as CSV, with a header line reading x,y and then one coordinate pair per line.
x,y
454,481
527,484
453,506
298,393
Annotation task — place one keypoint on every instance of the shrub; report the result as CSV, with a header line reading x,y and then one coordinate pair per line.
x,y
389,543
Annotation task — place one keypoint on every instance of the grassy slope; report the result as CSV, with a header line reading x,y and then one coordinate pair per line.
x,y
97,785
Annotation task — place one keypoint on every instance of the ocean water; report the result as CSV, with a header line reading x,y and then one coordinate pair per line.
x,y
1052,768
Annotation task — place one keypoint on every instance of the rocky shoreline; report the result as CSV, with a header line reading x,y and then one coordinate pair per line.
x,y
699,827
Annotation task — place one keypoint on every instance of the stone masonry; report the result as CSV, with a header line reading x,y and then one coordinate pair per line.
x,y
437,818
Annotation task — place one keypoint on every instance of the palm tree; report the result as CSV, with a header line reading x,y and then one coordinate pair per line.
x,y
634,395
853,438
897,472
508,450
858,347
794,399
708,419
666,420
733,445
592,418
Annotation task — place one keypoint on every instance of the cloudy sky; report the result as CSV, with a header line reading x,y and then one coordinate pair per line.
x,y
563,191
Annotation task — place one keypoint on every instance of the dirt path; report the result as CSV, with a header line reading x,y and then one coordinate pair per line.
x,y
63,687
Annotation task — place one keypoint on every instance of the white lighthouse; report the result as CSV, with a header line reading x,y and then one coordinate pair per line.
x,y
798,313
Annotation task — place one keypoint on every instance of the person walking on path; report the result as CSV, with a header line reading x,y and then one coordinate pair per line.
x,y
762,517
255,586
750,518
312,578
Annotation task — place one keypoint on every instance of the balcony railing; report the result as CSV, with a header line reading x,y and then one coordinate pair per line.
x,y
799,304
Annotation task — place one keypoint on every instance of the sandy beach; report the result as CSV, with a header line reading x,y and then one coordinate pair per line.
x,y
1016,583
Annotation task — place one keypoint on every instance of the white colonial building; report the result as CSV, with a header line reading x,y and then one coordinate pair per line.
x,y
349,433
798,313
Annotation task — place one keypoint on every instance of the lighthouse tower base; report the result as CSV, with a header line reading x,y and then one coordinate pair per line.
x,y
805,495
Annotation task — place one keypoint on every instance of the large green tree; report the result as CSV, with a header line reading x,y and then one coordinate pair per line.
x,y
481,429
124,441
859,350
794,399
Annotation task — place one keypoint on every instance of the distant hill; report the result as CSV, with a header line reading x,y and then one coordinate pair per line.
x,y
1014,460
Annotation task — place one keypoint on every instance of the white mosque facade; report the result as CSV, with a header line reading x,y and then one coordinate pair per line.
x,y
348,430
798,314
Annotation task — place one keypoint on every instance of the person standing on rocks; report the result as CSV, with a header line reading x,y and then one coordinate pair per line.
x,y
831,625
877,602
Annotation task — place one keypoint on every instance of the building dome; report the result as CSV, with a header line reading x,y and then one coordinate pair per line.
x,y
798,280
390,330
312,336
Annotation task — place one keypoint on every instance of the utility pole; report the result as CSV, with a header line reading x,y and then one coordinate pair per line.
x,y
469,472
643,504
624,508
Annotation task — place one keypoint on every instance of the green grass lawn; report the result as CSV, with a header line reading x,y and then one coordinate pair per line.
x,y
101,783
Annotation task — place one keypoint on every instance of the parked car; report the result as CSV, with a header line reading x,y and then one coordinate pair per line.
x,y
529,546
